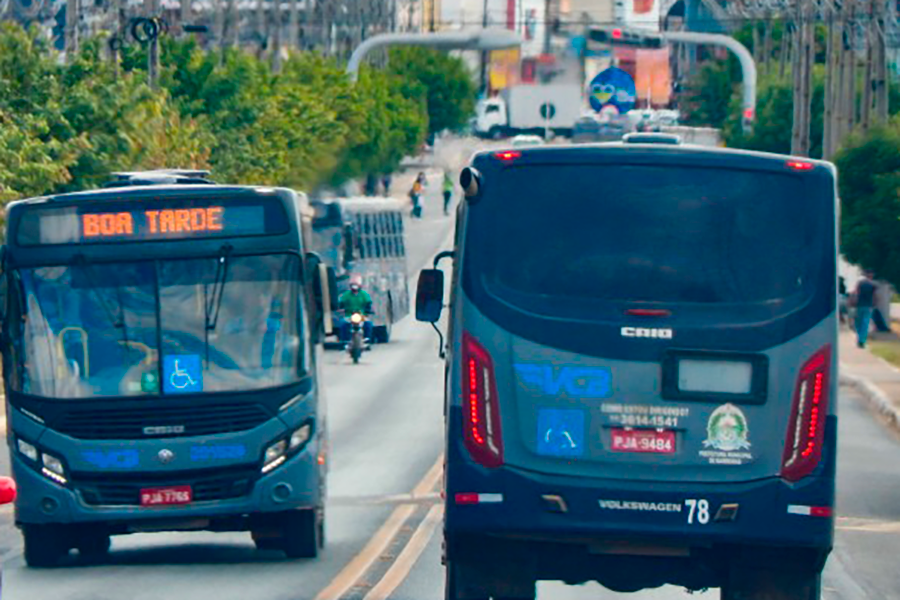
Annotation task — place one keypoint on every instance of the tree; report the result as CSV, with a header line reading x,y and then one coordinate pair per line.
x,y
869,182
441,81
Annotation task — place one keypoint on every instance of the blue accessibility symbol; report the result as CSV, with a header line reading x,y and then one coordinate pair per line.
x,y
182,374
612,87
560,432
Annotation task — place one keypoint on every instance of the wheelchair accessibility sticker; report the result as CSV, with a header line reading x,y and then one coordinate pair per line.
x,y
560,432
182,374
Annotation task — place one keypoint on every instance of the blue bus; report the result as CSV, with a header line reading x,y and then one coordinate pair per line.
x,y
364,239
161,344
642,371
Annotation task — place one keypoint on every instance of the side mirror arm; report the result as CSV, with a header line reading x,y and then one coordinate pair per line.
x,y
442,255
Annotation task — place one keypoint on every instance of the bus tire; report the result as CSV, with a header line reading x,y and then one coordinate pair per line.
x,y
459,583
303,533
773,585
44,546
93,546
382,333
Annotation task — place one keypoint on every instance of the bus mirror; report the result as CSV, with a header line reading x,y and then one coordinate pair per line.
x,y
430,295
470,180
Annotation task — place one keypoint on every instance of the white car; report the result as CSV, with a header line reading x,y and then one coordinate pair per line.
x,y
527,140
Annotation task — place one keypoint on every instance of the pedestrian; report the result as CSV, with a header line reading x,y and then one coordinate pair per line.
x,y
386,183
448,192
415,195
864,299
371,184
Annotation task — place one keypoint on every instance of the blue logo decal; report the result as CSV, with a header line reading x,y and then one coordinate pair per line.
x,y
560,432
112,459
576,382
224,452
182,374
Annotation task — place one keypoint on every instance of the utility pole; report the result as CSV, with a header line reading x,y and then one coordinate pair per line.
x,y
294,25
116,41
866,107
152,9
830,76
804,57
73,17
880,81
261,24
484,53
184,14
276,36
548,20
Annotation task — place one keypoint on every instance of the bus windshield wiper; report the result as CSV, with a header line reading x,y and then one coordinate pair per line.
x,y
213,301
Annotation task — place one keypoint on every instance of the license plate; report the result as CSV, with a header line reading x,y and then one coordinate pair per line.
x,y
166,496
643,440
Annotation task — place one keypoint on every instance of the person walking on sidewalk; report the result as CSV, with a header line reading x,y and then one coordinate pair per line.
x,y
448,192
865,303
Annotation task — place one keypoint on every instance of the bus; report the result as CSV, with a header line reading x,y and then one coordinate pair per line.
x,y
363,238
161,366
642,370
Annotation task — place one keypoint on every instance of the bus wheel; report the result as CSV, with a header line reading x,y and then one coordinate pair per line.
x,y
93,546
44,545
773,585
303,530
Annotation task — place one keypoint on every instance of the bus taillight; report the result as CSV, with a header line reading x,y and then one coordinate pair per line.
x,y
806,428
481,412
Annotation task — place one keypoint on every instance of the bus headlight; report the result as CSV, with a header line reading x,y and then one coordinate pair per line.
x,y
27,450
278,452
275,455
300,436
53,468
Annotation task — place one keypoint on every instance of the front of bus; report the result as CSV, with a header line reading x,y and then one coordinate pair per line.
x,y
159,368
643,378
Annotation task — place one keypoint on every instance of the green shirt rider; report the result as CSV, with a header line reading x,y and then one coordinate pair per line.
x,y
355,300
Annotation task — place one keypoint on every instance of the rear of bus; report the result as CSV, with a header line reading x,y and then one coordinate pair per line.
x,y
642,385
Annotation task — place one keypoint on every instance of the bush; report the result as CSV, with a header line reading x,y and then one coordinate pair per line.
x,y
869,168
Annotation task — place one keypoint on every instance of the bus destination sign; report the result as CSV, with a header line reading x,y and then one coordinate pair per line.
x,y
151,223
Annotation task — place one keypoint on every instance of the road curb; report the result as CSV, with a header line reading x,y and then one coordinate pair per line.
x,y
874,396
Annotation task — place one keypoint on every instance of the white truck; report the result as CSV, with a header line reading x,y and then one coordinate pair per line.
x,y
530,109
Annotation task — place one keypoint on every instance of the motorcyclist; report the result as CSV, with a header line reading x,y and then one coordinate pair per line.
x,y
355,300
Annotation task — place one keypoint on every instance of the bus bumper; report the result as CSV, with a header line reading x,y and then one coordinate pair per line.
x,y
296,484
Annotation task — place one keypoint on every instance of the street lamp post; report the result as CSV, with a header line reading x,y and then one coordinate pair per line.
x,y
476,39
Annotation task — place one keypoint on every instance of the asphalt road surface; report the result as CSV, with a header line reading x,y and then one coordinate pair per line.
x,y
383,514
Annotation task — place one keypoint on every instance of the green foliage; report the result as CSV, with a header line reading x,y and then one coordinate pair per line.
x,y
869,168
67,127
706,98
439,79
774,117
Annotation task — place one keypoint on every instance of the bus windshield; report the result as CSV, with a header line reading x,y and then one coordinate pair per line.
x,y
648,233
227,323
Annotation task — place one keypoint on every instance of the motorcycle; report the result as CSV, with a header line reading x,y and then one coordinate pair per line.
x,y
357,343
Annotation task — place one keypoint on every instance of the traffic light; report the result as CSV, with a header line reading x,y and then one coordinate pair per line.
x,y
617,36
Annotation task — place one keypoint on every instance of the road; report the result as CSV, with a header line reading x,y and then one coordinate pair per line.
x,y
383,509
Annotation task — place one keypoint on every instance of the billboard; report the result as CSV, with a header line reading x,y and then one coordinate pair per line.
x,y
639,14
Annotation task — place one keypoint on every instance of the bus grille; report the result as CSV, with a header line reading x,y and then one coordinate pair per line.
x,y
124,489
160,421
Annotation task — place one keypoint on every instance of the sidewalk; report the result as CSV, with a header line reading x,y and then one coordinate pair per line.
x,y
874,378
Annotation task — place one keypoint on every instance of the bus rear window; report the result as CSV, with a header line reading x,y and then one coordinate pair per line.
x,y
151,220
655,233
